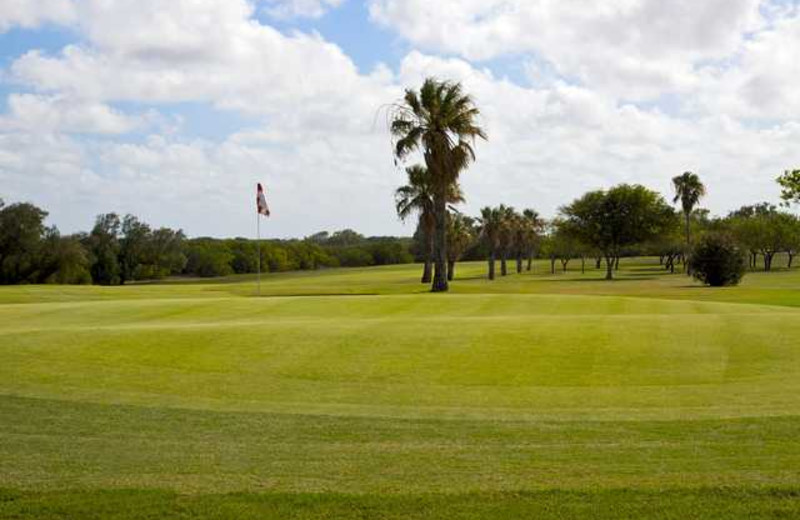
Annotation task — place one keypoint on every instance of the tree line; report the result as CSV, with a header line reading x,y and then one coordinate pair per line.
x,y
123,249
600,227
439,123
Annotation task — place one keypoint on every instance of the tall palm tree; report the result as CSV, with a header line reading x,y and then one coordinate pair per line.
x,y
491,223
417,197
688,190
460,235
439,120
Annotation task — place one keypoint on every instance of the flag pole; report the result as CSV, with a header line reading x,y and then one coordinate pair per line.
x,y
258,249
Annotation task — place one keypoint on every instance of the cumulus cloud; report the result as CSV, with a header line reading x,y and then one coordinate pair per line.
x,y
55,113
636,49
33,13
313,131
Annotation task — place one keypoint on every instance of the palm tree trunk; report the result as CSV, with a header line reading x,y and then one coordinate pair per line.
x,y
440,245
451,270
491,265
610,260
519,264
530,261
427,272
688,245
503,266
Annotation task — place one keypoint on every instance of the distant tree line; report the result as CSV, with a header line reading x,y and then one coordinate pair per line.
x,y
121,250
603,226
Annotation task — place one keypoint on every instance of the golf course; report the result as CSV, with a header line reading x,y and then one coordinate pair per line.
x,y
356,393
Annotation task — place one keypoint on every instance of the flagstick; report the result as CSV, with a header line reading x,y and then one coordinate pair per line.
x,y
258,248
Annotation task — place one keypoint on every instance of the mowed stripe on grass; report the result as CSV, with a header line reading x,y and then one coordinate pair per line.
x,y
538,395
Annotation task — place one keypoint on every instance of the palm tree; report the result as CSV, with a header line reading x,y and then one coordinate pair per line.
x,y
688,190
507,235
532,225
417,197
439,120
460,235
491,223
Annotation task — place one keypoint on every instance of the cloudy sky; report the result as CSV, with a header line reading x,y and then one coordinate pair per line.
x,y
174,110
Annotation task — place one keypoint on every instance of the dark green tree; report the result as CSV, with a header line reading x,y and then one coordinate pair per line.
x,y
104,247
610,220
21,232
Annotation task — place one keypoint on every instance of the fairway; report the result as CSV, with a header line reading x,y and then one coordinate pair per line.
x,y
354,393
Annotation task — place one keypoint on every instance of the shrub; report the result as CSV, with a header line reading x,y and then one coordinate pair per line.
x,y
717,261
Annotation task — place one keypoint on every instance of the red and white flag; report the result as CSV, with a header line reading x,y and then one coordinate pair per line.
x,y
261,202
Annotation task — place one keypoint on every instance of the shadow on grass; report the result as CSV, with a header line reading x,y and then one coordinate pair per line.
x,y
610,504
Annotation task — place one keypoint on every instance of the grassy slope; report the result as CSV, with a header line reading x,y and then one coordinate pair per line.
x,y
532,395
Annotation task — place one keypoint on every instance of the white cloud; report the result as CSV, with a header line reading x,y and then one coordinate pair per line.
x,y
300,8
636,49
314,133
33,13
763,82
37,113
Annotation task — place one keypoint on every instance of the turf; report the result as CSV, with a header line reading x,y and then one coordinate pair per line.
x,y
356,394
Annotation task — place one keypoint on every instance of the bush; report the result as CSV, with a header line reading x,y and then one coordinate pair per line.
x,y
718,261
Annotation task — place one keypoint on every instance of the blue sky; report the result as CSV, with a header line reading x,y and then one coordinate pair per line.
x,y
173,111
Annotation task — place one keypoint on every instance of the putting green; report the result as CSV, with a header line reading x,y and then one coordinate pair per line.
x,y
533,383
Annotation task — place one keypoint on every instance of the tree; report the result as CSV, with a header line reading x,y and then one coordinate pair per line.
x,y
439,120
532,226
565,244
790,186
345,237
64,260
619,217
507,235
164,255
491,223
103,245
418,197
717,261
764,230
21,232
688,190
460,235
132,247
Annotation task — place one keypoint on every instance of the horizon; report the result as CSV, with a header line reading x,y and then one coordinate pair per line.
x,y
209,100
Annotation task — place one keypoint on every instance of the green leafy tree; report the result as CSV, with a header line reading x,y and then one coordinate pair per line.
x,y
718,261
64,260
345,237
21,232
790,186
133,244
765,231
440,121
104,247
610,220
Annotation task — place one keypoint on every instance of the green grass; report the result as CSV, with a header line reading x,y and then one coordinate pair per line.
x,y
356,394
